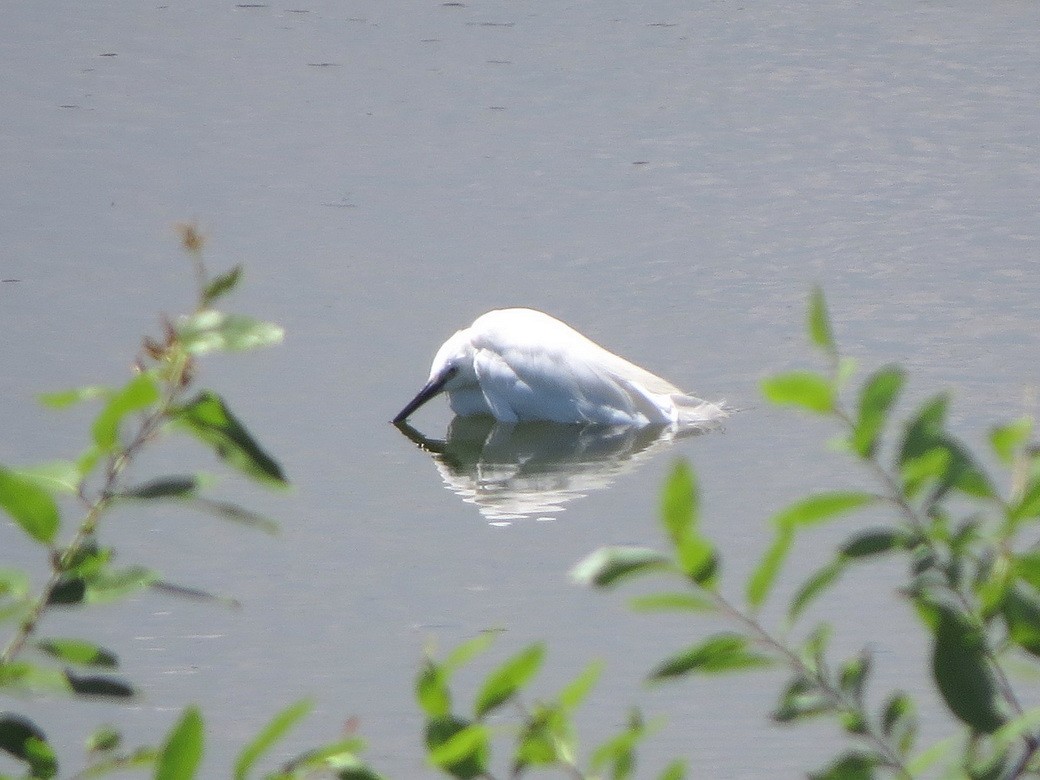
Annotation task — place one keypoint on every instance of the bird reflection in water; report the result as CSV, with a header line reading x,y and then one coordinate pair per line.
x,y
532,469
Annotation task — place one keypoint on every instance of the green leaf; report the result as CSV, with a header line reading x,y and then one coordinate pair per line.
x,y
103,740
874,543
674,771
853,765
819,323
431,690
962,672
619,751
1008,440
815,586
805,389
275,730
822,506
236,514
877,397
1027,505
210,331
139,393
853,676
764,575
801,699
65,398
96,685
208,418
457,746
671,602
679,503
182,753
221,285
719,653
1027,567
163,487
506,681
468,650
607,566
24,740
76,651
117,584
1022,614
31,507
575,692
58,476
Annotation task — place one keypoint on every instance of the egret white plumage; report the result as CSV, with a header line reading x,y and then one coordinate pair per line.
x,y
522,364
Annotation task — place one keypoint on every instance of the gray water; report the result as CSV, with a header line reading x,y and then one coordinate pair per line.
x,y
668,177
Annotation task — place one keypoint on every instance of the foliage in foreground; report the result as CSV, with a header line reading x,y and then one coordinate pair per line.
x,y
969,549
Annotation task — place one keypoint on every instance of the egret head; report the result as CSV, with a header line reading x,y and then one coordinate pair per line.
x,y
452,368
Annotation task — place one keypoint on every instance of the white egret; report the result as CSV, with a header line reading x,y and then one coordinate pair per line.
x,y
522,364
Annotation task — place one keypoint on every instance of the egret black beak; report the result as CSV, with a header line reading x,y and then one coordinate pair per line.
x,y
430,389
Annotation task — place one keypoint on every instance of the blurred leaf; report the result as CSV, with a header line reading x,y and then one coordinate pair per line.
x,y
24,740
103,740
606,566
457,746
340,756
1027,505
898,722
117,584
851,766
1022,615
1027,566
815,586
210,420
64,398
76,651
719,653
431,690
236,514
853,676
873,543
275,730
962,672
540,740
182,753
679,503
822,506
31,507
1007,440
139,393
163,487
119,763
764,575
805,389
468,650
58,476
221,285
575,692
210,330
30,678
876,399
506,681
801,699
674,771
819,323
671,602
94,685
618,752
14,584
68,591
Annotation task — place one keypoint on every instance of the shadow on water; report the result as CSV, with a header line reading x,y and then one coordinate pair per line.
x,y
532,469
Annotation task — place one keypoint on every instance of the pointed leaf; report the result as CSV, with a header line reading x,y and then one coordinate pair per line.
x,y
24,740
819,323
468,650
76,651
962,672
671,602
815,586
221,285
679,503
275,729
64,398
58,476
1007,440
465,757
508,679
96,685
182,753
163,487
31,507
811,392
718,654
211,331
210,420
236,514
139,393
879,393
431,690
575,692
822,506
874,543
674,771
608,565
764,575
